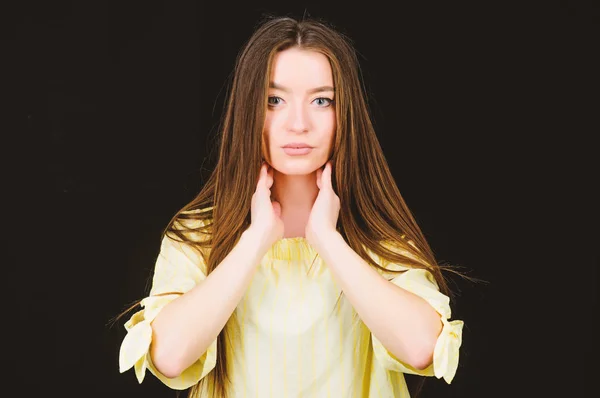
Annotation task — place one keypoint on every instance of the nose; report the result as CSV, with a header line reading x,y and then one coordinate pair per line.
x,y
298,119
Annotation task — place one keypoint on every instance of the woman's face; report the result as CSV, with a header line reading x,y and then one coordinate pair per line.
x,y
300,111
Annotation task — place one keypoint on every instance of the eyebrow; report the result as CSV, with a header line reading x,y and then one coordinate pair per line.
x,y
310,91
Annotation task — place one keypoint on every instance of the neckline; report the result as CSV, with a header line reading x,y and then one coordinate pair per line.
x,y
292,239
294,248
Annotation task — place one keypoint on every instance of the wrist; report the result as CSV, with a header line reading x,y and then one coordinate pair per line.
x,y
324,238
255,240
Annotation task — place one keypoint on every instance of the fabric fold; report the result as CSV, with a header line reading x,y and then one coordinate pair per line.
x,y
446,352
177,270
135,344
135,349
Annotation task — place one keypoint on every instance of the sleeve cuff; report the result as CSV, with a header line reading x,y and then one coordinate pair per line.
x,y
447,347
135,349
446,352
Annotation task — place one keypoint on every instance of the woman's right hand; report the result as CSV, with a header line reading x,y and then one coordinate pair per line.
x,y
266,214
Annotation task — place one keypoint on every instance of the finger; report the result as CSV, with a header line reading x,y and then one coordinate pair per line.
x,y
319,176
260,173
267,178
270,177
276,208
263,176
327,175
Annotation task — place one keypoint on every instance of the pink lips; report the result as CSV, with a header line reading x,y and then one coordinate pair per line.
x,y
297,148
297,145
297,151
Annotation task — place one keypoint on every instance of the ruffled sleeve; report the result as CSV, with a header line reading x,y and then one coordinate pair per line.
x,y
178,269
446,353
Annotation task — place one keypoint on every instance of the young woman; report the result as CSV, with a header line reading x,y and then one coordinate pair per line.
x,y
298,270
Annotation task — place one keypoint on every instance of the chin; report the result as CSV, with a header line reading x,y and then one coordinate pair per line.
x,y
296,166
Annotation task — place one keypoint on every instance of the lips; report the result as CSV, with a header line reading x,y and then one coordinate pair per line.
x,y
297,145
297,151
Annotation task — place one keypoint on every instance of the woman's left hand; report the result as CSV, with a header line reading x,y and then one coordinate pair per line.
x,y
324,213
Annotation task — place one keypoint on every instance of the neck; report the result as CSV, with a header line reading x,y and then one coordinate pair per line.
x,y
296,195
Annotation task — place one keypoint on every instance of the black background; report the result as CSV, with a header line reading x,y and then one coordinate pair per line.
x,y
485,114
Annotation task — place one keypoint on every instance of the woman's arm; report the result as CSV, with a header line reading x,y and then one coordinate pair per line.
x,y
184,328
405,323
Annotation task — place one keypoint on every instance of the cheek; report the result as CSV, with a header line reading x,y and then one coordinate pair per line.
x,y
331,137
270,127
266,139
329,127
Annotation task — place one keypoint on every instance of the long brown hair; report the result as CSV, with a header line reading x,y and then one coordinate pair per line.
x,y
373,212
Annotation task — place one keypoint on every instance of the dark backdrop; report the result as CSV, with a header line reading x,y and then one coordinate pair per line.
x,y
481,111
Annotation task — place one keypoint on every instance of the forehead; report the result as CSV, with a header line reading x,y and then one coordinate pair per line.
x,y
301,69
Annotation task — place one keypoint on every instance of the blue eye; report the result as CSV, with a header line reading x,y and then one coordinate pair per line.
x,y
273,100
323,102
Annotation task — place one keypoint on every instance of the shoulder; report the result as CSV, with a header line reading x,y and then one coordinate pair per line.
x,y
194,224
196,214
393,257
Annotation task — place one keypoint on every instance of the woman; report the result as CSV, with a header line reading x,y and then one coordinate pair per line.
x,y
298,270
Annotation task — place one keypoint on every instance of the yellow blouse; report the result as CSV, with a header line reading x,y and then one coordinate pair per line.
x,y
290,337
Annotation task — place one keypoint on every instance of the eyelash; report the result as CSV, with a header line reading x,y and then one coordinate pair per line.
x,y
330,101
